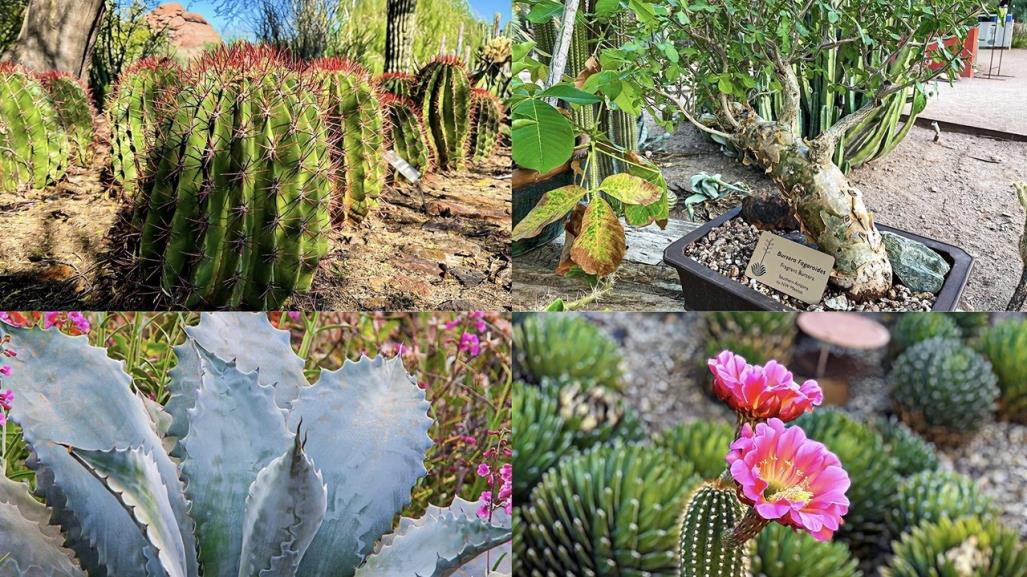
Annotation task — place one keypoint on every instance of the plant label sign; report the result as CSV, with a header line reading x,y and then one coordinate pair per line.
x,y
790,267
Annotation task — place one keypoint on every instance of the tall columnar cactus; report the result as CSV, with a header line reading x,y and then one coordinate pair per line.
x,y
401,25
486,117
783,552
237,210
612,510
268,474
969,547
135,116
75,112
357,130
701,443
913,328
929,496
712,513
562,345
1005,346
445,95
943,389
33,145
409,137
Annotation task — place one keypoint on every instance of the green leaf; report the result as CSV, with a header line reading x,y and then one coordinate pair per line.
x,y
569,93
600,247
554,205
555,306
606,8
630,189
543,139
544,10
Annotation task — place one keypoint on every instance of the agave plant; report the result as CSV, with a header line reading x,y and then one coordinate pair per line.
x,y
248,470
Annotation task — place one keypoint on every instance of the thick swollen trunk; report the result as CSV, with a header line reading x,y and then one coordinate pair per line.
x,y
829,209
58,35
399,34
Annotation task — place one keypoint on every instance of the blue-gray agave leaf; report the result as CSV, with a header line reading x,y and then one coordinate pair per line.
x,y
369,427
235,430
500,558
131,475
435,545
31,544
73,394
284,510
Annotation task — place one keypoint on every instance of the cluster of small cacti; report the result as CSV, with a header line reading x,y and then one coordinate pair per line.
x,y
910,452
565,346
929,496
34,147
782,552
757,336
967,547
702,443
1005,346
913,328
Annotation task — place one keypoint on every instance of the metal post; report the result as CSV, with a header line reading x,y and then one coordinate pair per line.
x,y
994,37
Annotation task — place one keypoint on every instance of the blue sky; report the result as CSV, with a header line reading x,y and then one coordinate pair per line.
x,y
208,9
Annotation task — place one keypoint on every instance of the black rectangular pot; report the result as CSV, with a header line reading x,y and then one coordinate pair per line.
x,y
706,290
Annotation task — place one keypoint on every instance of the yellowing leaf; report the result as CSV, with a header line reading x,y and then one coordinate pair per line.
x,y
630,189
553,206
600,247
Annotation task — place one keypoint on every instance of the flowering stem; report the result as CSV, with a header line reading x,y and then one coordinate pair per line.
x,y
749,527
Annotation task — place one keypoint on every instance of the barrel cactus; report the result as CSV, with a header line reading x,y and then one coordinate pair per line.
x,y
757,336
1005,346
486,118
356,128
612,510
308,491
910,452
75,112
931,495
135,113
704,444
33,145
409,138
237,210
968,547
943,389
711,514
398,84
445,95
562,345
913,328
784,552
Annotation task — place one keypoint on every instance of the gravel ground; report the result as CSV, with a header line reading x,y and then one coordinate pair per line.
x,y
661,381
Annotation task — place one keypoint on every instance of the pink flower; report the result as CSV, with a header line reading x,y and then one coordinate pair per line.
x,y
762,392
51,318
485,501
3,419
294,315
506,472
6,399
450,325
5,370
790,479
469,343
79,321
484,470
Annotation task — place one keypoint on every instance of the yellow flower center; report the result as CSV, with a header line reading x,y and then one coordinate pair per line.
x,y
784,481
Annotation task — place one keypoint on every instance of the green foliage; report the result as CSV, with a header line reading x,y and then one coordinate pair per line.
x,y
713,510
445,96
874,479
784,552
707,187
33,145
565,346
757,336
910,452
613,510
135,113
10,21
968,547
75,113
1005,346
704,444
239,218
486,118
929,496
913,328
123,38
943,389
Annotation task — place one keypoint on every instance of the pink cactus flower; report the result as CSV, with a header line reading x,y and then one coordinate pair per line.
x,y
762,392
790,479
6,400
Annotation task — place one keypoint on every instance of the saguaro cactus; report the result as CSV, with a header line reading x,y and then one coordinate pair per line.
x,y
75,112
237,209
445,100
409,138
33,146
134,115
356,129
486,116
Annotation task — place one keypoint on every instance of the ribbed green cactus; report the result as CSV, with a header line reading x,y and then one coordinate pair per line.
x,y
398,84
486,117
757,336
563,345
713,510
237,210
943,389
969,547
611,511
445,95
244,489
928,496
913,328
33,146
356,128
704,444
874,479
1005,346
784,552
135,116
409,138
75,113
910,452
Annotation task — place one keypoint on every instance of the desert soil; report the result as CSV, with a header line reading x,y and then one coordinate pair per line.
x,y
958,191
63,247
